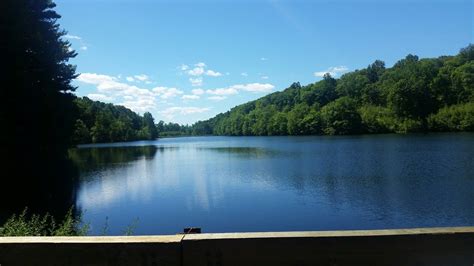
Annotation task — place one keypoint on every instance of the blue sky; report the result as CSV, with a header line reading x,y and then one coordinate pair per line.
x,y
185,61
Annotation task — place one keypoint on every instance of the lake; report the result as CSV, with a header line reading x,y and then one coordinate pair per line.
x,y
235,184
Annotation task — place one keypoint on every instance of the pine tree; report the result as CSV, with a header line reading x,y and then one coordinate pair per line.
x,y
37,112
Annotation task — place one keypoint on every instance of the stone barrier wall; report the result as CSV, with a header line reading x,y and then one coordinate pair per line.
x,y
423,246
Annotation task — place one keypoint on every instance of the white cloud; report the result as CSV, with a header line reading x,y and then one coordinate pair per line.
x,y
141,77
234,89
72,37
222,91
165,92
197,71
140,105
195,82
92,78
263,59
130,79
190,97
78,40
254,87
170,112
244,74
99,97
264,77
217,98
333,71
213,73
135,98
197,91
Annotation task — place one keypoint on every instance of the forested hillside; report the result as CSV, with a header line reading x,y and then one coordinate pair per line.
x,y
415,95
105,122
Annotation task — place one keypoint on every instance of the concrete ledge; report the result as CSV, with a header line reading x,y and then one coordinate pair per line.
x,y
90,239
339,233
420,246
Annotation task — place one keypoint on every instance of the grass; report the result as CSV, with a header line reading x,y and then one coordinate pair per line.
x,y
24,224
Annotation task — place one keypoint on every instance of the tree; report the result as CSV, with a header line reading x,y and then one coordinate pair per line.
x,y
408,87
463,82
100,132
81,133
149,124
295,119
458,117
375,70
37,76
278,124
326,90
37,112
341,117
160,127
353,84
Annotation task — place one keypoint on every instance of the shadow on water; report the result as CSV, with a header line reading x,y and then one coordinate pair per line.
x,y
94,158
49,185
251,152
43,185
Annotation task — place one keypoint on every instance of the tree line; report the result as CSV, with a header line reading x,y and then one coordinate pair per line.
x,y
105,122
98,122
171,129
415,95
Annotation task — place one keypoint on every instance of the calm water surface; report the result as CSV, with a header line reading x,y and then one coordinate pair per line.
x,y
229,184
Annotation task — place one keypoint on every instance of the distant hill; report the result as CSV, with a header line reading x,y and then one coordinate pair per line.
x,y
415,95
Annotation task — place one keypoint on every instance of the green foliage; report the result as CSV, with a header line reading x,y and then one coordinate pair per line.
x,y
101,122
353,84
376,119
173,129
408,87
37,225
458,117
81,133
341,117
25,224
130,229
296,118
401,99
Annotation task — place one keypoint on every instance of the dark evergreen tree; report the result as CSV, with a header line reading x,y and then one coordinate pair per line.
x,y
37,113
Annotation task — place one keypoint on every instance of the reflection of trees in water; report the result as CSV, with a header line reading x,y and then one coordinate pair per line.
x,y
251,152
90,159
397,186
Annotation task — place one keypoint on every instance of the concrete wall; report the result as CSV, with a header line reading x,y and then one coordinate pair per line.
x,y
430,246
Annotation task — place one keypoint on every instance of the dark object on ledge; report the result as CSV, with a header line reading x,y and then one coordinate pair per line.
x,y
192,230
